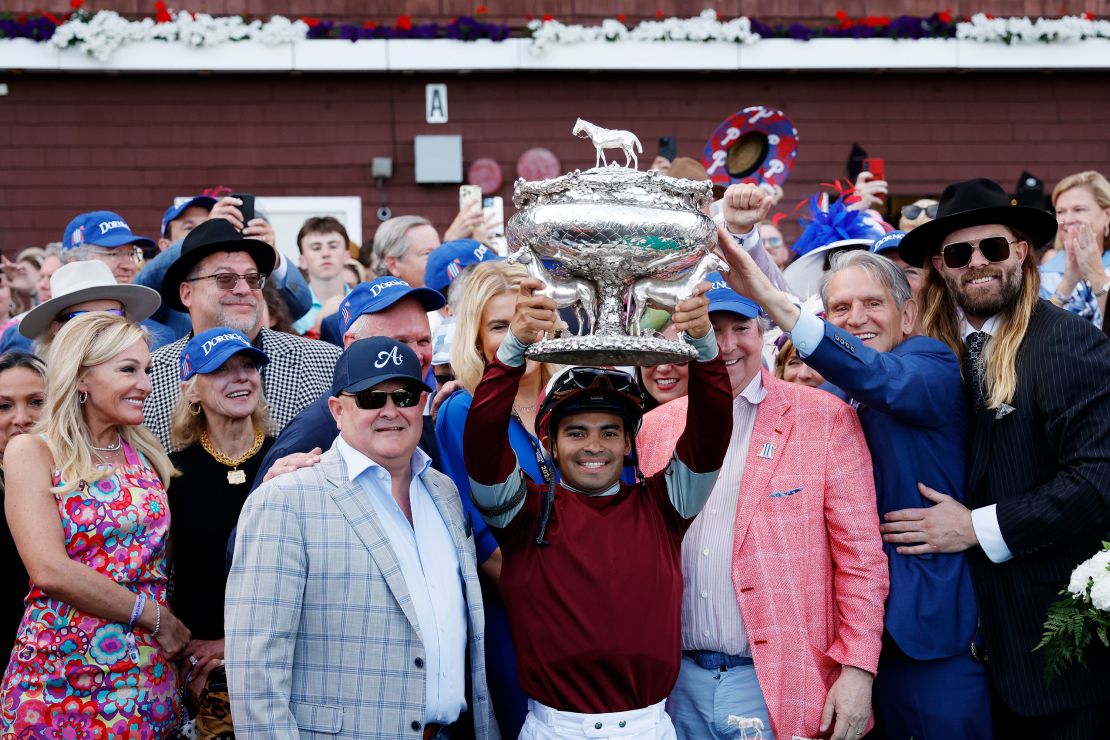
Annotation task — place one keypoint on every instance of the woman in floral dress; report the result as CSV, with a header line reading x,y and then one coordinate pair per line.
x,y
86,504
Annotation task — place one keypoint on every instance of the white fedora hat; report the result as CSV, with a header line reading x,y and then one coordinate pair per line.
x,y
89,280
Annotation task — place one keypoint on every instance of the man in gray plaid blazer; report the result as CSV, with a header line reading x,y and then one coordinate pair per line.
x,y
353,607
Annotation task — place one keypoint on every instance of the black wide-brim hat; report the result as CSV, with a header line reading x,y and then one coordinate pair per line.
x,y
974,203
214,235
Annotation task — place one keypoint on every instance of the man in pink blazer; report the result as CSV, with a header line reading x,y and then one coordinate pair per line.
x,y
784,571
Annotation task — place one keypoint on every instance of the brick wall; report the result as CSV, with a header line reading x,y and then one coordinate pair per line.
x,y
583,11
130,143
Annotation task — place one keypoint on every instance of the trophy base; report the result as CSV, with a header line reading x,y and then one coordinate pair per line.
x,y
600,351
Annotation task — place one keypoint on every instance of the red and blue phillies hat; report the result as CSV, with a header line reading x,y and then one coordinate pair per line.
x,y
723,298
102,229
450,258
174,212
208,351
382,293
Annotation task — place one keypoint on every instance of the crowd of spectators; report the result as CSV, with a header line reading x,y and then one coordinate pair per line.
x,y
257,496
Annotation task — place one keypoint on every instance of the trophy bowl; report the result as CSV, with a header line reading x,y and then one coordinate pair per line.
x,y
611,242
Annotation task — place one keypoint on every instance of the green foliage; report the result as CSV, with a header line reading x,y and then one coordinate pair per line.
x,y
1071,625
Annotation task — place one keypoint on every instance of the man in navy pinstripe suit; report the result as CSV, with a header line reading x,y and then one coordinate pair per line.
x,y
1038,487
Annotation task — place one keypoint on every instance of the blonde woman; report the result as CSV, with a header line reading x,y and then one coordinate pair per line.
x,y
88,509
483,315
1077,278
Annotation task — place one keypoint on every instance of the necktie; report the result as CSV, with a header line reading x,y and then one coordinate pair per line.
x,y
973,366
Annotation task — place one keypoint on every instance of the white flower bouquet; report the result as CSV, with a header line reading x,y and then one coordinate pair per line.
x,y
1082,615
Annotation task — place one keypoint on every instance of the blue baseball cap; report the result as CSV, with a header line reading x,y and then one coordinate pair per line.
x,y
208,351
887,241
723,298
173,212
450,258
102,229
382,293
372,361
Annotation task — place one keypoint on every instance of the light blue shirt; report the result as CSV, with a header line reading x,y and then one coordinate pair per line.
x,y
430,565
307,321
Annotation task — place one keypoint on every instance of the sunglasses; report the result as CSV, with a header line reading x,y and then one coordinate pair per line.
x,y
993,249
74,314
228,280
911,212
403,398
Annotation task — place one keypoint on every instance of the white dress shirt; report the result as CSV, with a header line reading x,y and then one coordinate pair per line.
x,y
984,520
711,617
430,566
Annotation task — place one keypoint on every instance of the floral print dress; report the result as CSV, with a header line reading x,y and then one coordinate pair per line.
x,y
71,675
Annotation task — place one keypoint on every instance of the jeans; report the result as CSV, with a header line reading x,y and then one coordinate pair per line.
x,y
703,699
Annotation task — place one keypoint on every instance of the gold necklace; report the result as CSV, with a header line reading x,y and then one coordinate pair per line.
x,y
236,476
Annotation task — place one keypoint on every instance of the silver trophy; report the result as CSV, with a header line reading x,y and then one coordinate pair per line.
x,y
611,242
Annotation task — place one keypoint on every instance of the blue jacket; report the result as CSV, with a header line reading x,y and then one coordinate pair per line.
x,y
914,416
293,289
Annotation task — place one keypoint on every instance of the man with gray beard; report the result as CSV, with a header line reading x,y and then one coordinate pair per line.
x,y
218,281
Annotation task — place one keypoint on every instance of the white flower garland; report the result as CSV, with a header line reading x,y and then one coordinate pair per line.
x,y
103,33
704,27
1068,29
99,35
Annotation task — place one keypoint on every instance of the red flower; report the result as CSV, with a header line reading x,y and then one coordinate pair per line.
x,y
481,10
76,4
1088,16
369,25
51,17
162,13
310,21
404,22
945,16
659,13
547,17
843,19
622,17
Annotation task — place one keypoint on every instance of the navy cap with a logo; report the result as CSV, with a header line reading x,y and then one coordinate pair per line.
x,y
101,229
723,298
372,361
174,212
380,294
208,351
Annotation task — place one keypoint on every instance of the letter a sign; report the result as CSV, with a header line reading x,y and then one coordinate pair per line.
x,y
435,103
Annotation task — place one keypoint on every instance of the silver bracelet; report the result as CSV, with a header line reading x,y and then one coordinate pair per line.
x,y
157,618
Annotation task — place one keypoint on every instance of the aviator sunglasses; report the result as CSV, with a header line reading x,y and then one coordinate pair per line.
x,y
993,249
911,212
403,398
